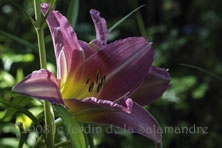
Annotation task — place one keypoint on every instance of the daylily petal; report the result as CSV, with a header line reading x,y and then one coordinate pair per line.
x,y
124,63
88,50
125,114
100,26
155,84
40,84
69,54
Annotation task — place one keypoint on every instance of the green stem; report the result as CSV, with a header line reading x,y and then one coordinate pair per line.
x,y
48,111
23,135
41,45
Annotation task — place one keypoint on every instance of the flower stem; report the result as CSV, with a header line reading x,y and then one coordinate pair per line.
x,y
41,45
48,111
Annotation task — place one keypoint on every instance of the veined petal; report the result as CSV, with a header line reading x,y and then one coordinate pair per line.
x,y
125,114
100,26
155,84
40,84
66,45
124,64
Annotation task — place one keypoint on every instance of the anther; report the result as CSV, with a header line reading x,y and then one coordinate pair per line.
x,y
98,76
91,87
87,81
99,87
103,79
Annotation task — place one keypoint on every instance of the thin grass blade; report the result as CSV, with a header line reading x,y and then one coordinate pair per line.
x,y
21,109
73,11
124,18
203,70
19,40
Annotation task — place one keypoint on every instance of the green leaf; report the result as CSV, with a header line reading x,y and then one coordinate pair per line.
x,y
19,40
49,122
6,79
7,142
73,127
47,13
21,109
200,91
203,70
23,11
141,25
124,18
11,110
73,11
23,135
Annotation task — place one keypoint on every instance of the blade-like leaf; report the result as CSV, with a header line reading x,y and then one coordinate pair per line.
x,y
21,109
73,11
23,135
23,11
203,70
141,25
19,40
76,135
124,18
11,110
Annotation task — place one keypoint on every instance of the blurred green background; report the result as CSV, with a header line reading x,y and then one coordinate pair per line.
x,y
182,31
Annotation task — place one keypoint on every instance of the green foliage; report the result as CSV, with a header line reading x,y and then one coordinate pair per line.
x,y
75,133
73,11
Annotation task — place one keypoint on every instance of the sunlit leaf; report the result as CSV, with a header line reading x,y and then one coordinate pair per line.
x,y
19,75
6,79
73,127
25,120
179,88
8,128
11,110
9,59
200,91
9,142
20,109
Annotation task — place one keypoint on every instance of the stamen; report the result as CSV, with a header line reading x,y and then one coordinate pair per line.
x,y
99,87
98,76
103,79
87,81
94,86
91,87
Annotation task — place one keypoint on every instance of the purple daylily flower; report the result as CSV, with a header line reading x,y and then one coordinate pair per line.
x,y
95,81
